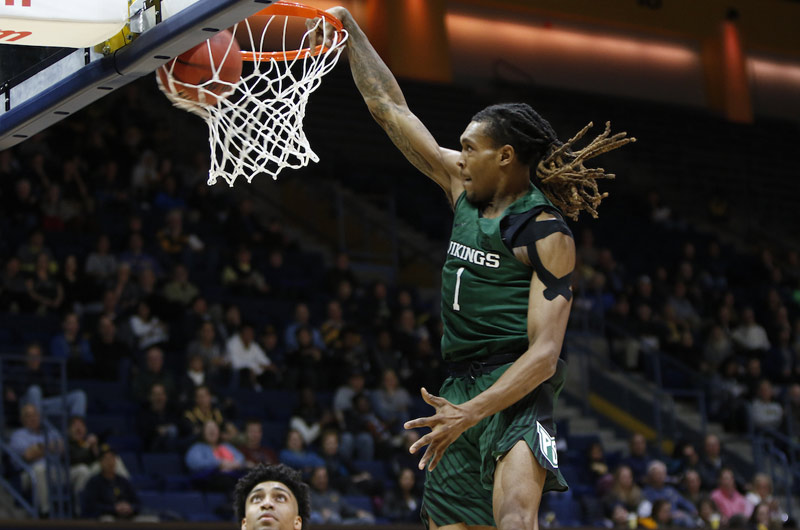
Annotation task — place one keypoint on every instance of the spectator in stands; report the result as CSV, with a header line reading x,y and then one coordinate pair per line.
x,y
270,343
386,357
729,501
368,433
250,365
750,336
241,277
346,296
392,402
624,491
680,303
657,488
597,470
194,376
147,329
661,515
350,353
343,397
328,506
766,413
215,465
717,348
407,332
75,286
691,487
112,357
44,289
342,473
22,208
792,415
781,358
179,290
295,454
175,244
253,449
332,328
302,318
169,196
32,442
36,385
243,225
376,312
340,271
137,258
306,363
101,264
55,211
201,413
760,493
123,289
712,461
84,450
638,458
153,372
13,288
762,520
157,423
207,347
74,348
110,496
309,418
402,503
684,458
28,254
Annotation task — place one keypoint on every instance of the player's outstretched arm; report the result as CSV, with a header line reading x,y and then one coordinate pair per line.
x,y
388,106
547,322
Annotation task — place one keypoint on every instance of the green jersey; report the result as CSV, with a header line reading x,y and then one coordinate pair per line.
x,y
484,287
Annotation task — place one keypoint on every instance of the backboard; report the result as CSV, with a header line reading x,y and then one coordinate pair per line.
x,y
70,79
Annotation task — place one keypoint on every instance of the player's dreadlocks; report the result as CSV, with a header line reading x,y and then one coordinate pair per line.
x,y
561,175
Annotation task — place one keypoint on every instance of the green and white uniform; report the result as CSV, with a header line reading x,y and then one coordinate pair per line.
x,y
485,292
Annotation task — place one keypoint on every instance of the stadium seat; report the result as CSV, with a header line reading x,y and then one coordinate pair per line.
x,y
360,502
162,464
131,461
376,468
186,503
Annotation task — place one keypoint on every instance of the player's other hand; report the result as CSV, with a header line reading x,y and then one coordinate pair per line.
x,y
323,32
446,426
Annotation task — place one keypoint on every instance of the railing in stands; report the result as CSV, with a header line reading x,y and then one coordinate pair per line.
x,y
56,455
32,507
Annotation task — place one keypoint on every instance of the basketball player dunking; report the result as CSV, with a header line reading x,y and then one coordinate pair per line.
x,y
506,297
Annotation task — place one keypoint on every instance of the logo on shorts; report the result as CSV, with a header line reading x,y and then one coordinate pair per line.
x,y
547,444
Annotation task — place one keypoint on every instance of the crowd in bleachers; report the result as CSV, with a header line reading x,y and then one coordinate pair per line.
x,y
200,340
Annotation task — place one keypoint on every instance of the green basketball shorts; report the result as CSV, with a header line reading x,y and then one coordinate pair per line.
x,y
459,490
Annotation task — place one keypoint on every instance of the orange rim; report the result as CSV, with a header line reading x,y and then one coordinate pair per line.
x,y
293,9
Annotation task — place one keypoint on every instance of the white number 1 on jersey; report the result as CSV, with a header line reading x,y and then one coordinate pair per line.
x,y
457,307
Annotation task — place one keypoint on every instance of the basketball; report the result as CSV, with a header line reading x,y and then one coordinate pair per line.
x,y
197,67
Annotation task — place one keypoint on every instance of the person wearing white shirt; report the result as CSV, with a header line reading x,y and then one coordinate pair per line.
x,y
750,335
248,360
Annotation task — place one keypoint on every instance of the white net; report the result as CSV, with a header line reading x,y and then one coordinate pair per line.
x,y
258,128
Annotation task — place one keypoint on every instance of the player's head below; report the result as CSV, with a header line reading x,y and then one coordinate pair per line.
x,y
499,147
273,497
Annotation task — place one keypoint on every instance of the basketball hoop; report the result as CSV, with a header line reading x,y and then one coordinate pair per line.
x,y
256,127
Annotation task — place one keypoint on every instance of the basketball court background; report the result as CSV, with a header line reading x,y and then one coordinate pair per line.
x,y
731,67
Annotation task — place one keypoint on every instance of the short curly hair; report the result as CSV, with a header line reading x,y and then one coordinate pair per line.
x,y
273,473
